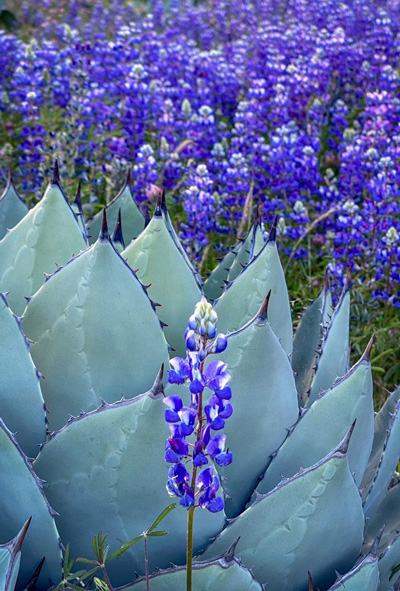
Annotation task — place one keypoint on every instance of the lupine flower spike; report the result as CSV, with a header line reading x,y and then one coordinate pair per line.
x,y
198,419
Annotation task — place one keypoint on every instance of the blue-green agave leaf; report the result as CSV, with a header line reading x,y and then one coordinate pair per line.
x,y
10,558
21,400
214,286
333,361
48,235
244,296
388,561
114,482
168,222
249,248
280,532
265,406
22,497
172,284
382,424
388,515
364,576
220,574
132,216
95,333
308,340
325,423
387,464
12,208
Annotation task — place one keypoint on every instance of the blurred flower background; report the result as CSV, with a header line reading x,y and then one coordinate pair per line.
x,y
291,104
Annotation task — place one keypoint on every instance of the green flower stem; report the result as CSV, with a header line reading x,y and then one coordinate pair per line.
x,y
189,553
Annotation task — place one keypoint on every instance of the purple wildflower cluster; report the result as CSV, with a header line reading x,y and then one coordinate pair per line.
x,y
295,103
200,418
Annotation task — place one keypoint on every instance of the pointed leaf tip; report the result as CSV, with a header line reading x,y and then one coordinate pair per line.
x,y
159,206
104,235
310,582
263,313
56,174
366,356
230,553
128,180
19,540
117,234
158,386
258,215
78,199
344,444
163,201
374,548
31,584
272,232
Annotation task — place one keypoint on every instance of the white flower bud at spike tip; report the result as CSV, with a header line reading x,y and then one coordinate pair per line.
x,y
204,319
392,236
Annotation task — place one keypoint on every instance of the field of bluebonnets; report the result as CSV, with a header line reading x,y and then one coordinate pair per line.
x,y
294,105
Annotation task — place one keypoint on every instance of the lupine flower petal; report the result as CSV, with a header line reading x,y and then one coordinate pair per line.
x,y
225,393
196,386
179,473
179,446
206,434
224,459
204,479
216,445
220,344
190,340
187,499
216,505
226,412
171,416
200,460
180,372
174,402
171,457
217,424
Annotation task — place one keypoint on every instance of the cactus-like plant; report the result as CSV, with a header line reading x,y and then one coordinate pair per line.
x,y
99,344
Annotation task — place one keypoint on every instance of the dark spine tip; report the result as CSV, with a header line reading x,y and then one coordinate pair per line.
x,y
367,353
163,201
374,548
78,198
272,232
158,386
258,215
19,540
344,444
159,206
104,235
263,313
230,553
56,174
31,585
117,235
128,181
310,582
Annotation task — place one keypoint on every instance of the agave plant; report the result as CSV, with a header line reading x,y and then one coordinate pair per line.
x,y
82,427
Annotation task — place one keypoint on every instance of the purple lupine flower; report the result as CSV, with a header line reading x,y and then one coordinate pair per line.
x,y
199,419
